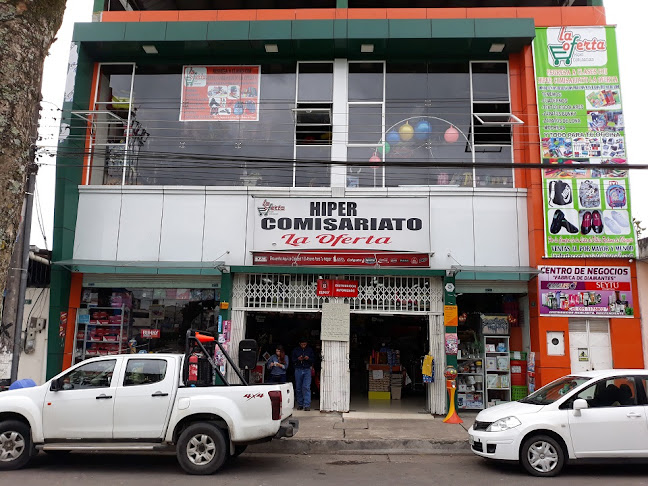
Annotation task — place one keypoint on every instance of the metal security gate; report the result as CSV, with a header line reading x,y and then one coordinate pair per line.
x,y
376,294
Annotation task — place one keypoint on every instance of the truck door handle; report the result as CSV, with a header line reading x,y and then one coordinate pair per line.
x,y
160,394
104,397
633,414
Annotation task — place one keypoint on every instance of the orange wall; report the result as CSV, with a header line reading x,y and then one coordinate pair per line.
x,y
625,333
543,16
75,302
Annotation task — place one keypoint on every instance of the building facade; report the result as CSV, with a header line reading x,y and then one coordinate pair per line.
x,y
366,178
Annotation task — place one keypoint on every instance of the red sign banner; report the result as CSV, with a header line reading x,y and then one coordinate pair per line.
x,y
150,333
337,288
342,259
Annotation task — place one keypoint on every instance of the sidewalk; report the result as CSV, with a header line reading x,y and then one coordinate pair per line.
x,y
372,433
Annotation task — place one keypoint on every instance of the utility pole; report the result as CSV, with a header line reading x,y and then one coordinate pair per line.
x,y
32,170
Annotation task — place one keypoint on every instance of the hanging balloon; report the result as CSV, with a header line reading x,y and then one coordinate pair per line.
x,y
392,137
374,159
422,130
387,149
451,135
406,132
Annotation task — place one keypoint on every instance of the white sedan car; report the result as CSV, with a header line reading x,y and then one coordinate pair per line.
x,y
593,414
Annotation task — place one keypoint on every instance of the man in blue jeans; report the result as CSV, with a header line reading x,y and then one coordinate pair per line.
x,y
303,358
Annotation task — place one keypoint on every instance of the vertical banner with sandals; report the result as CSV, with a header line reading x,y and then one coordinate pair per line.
x,y
582,132
224,93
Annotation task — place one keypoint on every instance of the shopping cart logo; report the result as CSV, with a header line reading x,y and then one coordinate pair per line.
x,y
270,209
583,47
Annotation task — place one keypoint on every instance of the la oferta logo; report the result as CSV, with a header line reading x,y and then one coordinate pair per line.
x,y
570,43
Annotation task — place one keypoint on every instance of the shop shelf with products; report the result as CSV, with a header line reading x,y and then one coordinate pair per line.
x,y
470,383
497,370
101,331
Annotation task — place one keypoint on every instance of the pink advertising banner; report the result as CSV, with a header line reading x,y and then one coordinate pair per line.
x,y
585,291
223,93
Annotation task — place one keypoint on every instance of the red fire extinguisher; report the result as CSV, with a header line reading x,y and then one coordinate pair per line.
x,y
193,369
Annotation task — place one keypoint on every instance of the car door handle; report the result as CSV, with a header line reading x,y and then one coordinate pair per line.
x,y
634,415
160,394
104,397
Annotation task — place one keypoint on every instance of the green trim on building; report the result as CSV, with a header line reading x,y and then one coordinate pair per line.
x,y
305,39
68,177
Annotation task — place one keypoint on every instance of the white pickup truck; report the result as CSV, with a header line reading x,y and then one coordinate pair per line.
x,y
141,402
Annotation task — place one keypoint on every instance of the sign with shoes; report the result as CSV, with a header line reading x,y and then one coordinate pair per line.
x,y
582,131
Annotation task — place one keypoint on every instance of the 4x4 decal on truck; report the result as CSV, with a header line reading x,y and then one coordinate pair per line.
x,y
250,396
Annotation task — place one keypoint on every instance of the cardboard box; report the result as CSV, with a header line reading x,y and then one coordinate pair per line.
x,y
396,392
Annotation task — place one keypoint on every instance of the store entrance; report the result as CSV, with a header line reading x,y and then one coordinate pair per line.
x,y
270,329
385,359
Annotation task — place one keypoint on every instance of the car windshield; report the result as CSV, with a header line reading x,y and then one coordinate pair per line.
x,y
555,390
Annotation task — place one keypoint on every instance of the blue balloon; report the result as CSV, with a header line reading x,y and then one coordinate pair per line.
x,y
392,137
422,130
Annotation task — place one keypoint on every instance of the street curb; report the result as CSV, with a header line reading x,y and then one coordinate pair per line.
x,y
362,446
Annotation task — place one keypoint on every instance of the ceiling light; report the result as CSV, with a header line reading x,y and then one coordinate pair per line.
x,y
497,48
271,48
150,49
367,48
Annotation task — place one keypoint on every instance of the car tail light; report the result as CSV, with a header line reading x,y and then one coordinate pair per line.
x,y
275,400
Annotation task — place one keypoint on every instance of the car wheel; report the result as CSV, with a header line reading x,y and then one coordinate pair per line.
x,y
542,455
15,445
201,449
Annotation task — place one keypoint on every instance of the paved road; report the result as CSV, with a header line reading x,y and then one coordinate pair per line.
x,y
313,470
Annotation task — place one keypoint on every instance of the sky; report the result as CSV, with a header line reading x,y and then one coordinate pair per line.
x,y
628,15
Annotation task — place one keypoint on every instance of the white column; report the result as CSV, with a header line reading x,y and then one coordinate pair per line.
x,y
237,315
335,380
340,121
437,391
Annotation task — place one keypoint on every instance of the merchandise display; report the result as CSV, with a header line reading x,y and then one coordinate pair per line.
x,y
498,370
103,330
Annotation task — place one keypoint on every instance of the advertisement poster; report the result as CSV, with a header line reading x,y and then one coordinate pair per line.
x,y
585,291
580,108
371,223
223,93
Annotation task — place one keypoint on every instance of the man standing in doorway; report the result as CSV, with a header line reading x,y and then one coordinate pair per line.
x,y
303,358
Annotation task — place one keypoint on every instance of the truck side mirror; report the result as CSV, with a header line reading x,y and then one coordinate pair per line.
x,y
579,404
248,350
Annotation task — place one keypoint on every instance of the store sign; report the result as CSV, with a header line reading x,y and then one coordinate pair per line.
x,y
394,224
150,333
587,209
337,288
585,291
342,259
220,93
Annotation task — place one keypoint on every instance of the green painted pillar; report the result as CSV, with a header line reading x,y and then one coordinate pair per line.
x,y
450,299
342,3
226,294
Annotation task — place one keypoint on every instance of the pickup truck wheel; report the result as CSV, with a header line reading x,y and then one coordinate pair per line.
x,y
15,445
542,456
201,449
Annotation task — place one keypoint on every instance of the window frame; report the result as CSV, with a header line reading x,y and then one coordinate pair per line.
x,y
144,360
493,147
83,365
